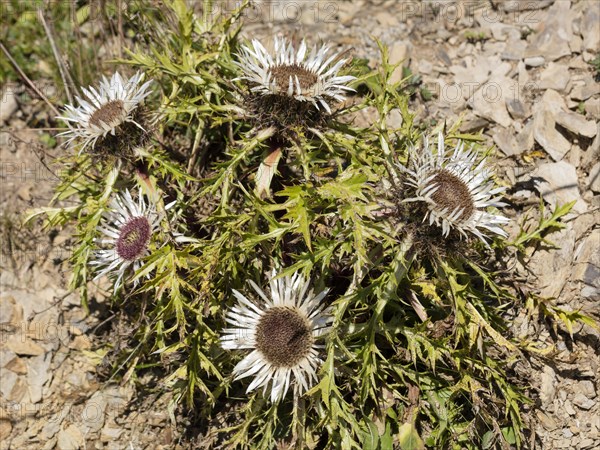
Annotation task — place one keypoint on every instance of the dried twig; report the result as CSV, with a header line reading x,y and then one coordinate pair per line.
x,y
27,80
64,73
120,27
196,148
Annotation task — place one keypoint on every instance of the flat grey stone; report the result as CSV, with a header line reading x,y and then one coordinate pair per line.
x,y
8,104
399,54
471,74
547,386
506,141
553,268
7,308
576,44
95,407
560,185
586,443
591,154
33,303
111,433
592,107
489,101
547,421
551,101
555,76
38,374
546,134
583,402
590,29
525,138
593,180
590,292
517,109
576,123
473,124
552,36
587,259
569,408
70,438
9,378
562,443
534,61
586,387
585,88
6,356
515,50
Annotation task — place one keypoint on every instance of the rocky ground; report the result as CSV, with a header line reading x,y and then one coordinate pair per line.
x,y
519,71
50,395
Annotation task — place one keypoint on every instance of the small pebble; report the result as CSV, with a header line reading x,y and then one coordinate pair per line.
x,y
535,61
583,402
569,408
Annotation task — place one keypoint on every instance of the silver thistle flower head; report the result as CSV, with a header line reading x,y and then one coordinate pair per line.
x,y
306,77
281,332
101,112
457,188
127,228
